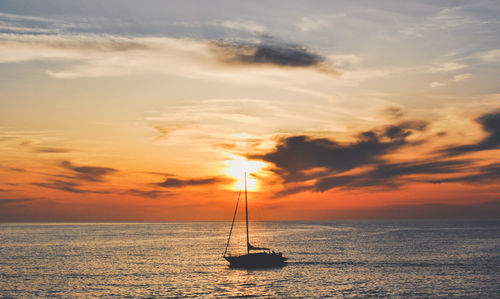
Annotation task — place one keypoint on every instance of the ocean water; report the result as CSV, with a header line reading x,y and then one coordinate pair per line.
x,y
183,259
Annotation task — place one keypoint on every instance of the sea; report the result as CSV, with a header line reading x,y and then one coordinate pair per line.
x,y
334,259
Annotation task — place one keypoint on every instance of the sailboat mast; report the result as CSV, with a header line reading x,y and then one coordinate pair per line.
x,y
246,212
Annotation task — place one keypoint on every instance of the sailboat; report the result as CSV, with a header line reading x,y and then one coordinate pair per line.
x,y
256,257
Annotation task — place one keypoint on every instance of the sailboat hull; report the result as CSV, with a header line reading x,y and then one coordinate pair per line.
x,y
256,260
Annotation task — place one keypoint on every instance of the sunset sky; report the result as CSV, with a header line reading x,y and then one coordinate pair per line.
x,y
123,110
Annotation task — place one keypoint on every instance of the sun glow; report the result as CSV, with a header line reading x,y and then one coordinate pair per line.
x,y
236,169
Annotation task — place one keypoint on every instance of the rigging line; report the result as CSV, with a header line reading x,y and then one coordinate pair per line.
x,y
232,224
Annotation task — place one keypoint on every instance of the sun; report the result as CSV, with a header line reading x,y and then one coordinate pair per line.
x,y
236,169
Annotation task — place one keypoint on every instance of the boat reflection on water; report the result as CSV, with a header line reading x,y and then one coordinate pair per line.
x,y
256,257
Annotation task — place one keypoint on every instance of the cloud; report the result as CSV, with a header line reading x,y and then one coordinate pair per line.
x,y
381,175
66,186
320,164
22,47
489,56
52,150
7,205
486,174
98,56
363,74
180,183
445,67
307,24
272,53
283,56
456,78
491,125
462,77
88,173
21,24
294,156
147,193
16,169
343,60
246,26
13,201
436,84
389,174
233,124
393,112
448,19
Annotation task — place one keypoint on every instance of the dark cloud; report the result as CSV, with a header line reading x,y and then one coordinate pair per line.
x,y
8,205
52,150
88,173
147,193
292,190
66,186
485,174
179,183
12,168
320,164
164,174
382,175
278,54
393,112
14,201
26,143
491,125
281,55
389,174
295,156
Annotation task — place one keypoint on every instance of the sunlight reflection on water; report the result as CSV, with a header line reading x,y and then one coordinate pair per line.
x,y
327,259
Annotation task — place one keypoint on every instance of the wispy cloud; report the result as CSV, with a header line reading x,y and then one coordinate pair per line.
x,y
247,26
52,150
445,67
173,182
88,173
489,56
462,77
445,19
436,84
390,174
484,174
147,193
490,123
66,186
313,23
343,60
118,56
231,123
455,78
10,201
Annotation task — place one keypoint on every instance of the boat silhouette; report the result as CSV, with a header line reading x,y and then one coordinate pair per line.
x,y
256,257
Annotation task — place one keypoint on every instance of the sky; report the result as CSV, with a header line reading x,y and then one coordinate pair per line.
x,y
121,110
